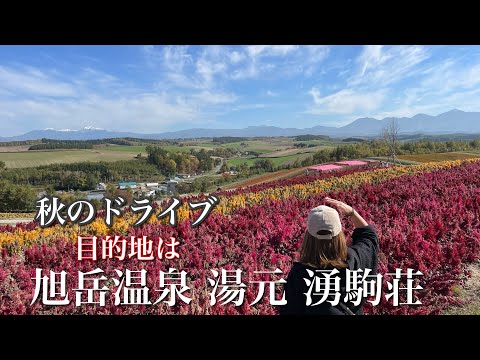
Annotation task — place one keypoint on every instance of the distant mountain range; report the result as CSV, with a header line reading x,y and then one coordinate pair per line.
x,y
451,122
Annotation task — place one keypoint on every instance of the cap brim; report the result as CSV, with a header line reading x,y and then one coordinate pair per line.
x,y
324,237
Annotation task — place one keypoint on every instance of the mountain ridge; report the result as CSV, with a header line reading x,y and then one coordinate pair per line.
x,y
453,121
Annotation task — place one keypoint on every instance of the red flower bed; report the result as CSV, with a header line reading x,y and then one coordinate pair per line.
x,y
428,222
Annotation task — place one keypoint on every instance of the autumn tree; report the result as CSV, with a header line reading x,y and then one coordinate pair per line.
x,y
390,136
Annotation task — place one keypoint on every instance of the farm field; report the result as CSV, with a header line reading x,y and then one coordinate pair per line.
x,y
251,161
261,227
282,174
279,146
134,149
474,152
275,157
297,151
438,156
402,161
17,148
37,158
279,149
260,146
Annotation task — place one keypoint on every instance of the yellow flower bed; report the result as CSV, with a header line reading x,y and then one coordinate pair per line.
x,y
344,182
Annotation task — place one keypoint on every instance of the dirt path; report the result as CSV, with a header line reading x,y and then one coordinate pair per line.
x,y
470,293
266,177
14,221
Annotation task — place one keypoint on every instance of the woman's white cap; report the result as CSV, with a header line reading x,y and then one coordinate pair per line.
x,y
324,218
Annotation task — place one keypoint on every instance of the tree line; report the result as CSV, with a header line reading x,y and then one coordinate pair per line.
x,y
82,175
228,139
170,163
62,145
380,148
19,142
308,137
15,197
48,144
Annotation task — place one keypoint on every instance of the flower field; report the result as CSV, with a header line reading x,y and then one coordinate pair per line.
x,y
427,217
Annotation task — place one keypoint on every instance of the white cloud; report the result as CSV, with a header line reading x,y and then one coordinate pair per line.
x,y
366,89
432,102
236,57
451,76
173,80
175,58
195,83
380,66
248,107
346,101
208,97
36,99
190,67
314,55
98,76
249,71
315,95
444,85
372,57
270,50
146,112
284,60
89,79
170,66
33,82
207,66
208,70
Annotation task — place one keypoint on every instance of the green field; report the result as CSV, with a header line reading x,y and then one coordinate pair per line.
x,y
205,145
282,160
135,149
37,158
265,145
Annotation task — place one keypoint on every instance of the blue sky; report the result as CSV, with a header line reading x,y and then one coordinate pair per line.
x,y
152,89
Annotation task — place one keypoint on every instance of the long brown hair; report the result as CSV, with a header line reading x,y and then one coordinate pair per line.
x,y
323,253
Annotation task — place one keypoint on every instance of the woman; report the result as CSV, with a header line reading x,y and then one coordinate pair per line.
x,y
324,248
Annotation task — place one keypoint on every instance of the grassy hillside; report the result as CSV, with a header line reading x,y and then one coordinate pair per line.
x,y
36,158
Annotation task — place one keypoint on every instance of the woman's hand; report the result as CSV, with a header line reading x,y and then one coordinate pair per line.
x,y
357,219
344,208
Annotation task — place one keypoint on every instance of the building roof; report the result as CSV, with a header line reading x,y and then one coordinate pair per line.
x,y
127,183
324,167
351,163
